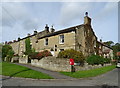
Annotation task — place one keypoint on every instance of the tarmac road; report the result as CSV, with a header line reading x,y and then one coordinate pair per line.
x,y
109,78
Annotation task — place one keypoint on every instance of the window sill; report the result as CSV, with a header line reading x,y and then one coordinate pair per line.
x,y
61,43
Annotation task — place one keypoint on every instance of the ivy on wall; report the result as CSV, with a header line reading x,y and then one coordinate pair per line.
x,y
28,47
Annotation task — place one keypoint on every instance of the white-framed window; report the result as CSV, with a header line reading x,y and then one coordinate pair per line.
x,y
61,39
46,42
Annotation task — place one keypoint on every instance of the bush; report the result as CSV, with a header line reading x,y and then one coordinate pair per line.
x,y
96,60
107,60
7,52
71,53
39,55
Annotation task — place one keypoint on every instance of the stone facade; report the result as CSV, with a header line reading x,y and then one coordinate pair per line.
x,y
23,59
81,38
104,50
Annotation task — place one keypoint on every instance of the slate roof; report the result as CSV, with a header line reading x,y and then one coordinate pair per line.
x,y
61,31
104,45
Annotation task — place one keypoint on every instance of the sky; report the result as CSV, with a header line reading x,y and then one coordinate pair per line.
x,y
20,18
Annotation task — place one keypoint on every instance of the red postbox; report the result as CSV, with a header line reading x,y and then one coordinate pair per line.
x,y
71,61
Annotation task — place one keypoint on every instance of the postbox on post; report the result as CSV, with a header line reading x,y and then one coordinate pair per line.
x,y
71,61
72,65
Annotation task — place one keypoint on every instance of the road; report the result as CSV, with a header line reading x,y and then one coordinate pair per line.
x,y
109,78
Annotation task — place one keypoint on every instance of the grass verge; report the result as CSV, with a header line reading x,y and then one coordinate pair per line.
x,y
89,73
13,70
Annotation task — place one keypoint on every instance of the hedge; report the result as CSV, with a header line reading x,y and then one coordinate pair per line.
x,y
96,60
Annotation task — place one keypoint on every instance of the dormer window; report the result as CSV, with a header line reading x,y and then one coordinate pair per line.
x,y
46,41
61,39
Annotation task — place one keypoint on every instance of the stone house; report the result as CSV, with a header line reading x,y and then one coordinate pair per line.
x,y
81,38
104,50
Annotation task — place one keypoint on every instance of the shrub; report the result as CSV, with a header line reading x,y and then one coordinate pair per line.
x,y
107,60
39,55
96,60
33,55
71,53
7,52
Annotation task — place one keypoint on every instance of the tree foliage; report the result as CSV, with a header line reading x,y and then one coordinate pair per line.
x,y
0,50
109,43
28,48
116,48
7,51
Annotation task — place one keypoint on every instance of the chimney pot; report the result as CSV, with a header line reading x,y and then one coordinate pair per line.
x,y
35,32
47,28
52,29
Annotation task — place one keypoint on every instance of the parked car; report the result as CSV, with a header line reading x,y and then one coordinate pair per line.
x,y
118,64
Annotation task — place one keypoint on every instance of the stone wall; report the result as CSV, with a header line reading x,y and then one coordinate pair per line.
x,y
23,59
15,59
88,67
60,64
52,63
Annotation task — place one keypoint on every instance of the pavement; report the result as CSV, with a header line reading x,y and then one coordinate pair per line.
x,y
109,78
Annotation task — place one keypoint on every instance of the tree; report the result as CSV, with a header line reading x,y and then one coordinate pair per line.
x,y
116,48
7,51
109,43
0,51
28,47
10,54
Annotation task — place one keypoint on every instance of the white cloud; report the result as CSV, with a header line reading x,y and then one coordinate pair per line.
x,y
18,14
31,23
108,9
74,10
13,13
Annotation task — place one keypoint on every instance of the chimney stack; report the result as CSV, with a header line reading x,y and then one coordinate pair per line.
x,y
35,32
101,40
28,34
87,20
46,28
52,29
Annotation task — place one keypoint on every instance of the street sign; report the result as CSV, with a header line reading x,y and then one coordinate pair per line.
x,y
71,61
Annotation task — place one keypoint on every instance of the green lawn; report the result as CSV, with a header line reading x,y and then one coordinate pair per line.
x,y
14,70
89,73
0,67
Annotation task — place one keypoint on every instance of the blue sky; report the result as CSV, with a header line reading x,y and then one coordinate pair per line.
x,y
21,18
